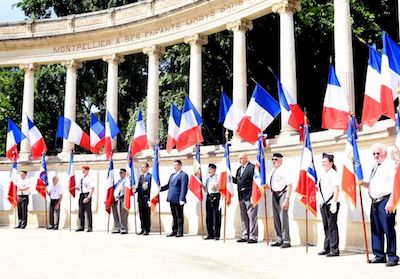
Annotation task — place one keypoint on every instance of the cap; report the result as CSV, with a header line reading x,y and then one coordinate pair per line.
x,y
277,155
85,167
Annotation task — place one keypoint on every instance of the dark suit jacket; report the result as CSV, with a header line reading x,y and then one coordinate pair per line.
x,y
144,194
244,182
177,187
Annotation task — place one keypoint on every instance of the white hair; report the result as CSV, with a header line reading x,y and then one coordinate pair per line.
x,y
379,146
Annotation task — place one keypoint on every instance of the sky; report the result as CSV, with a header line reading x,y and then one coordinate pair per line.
x,y
8,13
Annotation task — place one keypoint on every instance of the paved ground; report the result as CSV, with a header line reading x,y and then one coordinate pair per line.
x,y
39,253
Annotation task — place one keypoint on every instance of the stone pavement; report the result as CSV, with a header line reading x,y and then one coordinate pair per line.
x,y
39,253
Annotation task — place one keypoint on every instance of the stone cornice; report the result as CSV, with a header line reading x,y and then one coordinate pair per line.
x,y
287,6
196,39
154,50
30,67
114,58
241,24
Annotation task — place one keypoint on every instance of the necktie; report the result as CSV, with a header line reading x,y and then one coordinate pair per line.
x,y
82,185
241,171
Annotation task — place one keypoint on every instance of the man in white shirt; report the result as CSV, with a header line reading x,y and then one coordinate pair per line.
x,y
24,190
383,217
86,188
120,214
55,193
281,189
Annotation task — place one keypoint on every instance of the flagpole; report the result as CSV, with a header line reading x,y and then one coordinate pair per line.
x,y
70,198
201,202
45,197
134,211
159,212
265,207
226,187
305,123
70,212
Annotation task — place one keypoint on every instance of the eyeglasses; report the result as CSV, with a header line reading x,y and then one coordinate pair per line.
x,y
375,153
274,159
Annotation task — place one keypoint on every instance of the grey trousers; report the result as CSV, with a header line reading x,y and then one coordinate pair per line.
x,y
120,215
281,219
249,214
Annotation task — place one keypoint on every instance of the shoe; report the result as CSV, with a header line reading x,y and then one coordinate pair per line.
x,y
216,238
79,230
55,228
89,230
322,253
241,240
171,234
17,227
285,245
251,241
332,254
23,227
277,244
208,237
146,233
50,228
391,263
377,260
124,232
179,235
116,231
141,232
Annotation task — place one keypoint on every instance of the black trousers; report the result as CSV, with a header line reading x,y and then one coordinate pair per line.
x,y
144,214
329,220
213,215
85,208
22,208
177,218
53,210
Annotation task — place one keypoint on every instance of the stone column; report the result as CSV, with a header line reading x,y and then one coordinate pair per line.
x,y
195,76
27,105
70,96
239,28
344,49
153,111
112,85
286,9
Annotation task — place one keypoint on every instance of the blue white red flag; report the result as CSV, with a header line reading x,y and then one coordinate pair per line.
x,y
130,182
139,141
229,114
38,146
111,184
259,177
112,131
189,129
155,180
173,127
262,110
97,134
42,181
71,175
70,131
306,186
225,178
13,188
195,181
14,137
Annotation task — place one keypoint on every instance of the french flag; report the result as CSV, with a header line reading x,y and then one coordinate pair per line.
x,y
195,181
262,110
155,180
189,129
352,171
38,146
225,178
97,134
173,127
13,188
296,115
259,177
70,131
130,181
71,175
110,191
112,131
229,114
306,186
139,141
42,181
14,137
335,113
390,75
372,97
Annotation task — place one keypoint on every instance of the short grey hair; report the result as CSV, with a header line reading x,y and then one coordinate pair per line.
x,y
379,146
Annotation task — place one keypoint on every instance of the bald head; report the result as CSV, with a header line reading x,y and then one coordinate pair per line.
x,y
243,159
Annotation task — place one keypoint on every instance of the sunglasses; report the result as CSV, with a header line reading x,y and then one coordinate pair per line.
x,y
274,159
375,153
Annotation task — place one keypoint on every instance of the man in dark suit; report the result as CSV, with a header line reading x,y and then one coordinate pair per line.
x,y
143,190
177,189
248,213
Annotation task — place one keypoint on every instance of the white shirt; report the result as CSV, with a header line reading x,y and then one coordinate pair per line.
x,y
119,189
22,183
86,184
277,179
381,179
329,183
212,184
56,191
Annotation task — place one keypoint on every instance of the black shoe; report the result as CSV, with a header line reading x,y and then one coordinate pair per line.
x,y
391,263
208,237
322,253
251,241
241,240
216,238
50,228
141,232
377,260
79,230
171,234
55,228
277,244
89,230
179,235
124,232
146,233
116,231
332,254
285,245
23,227
17,227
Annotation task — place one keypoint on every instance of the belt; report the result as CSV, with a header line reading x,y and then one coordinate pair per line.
x,y
23,195
280,193
378,200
